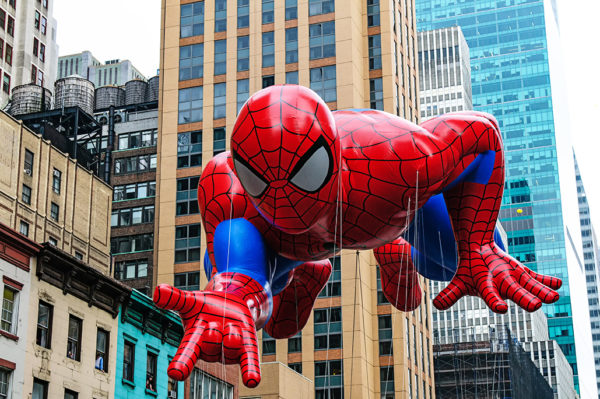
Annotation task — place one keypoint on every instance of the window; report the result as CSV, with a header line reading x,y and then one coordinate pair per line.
x,y
10,26
374,52
53,241
131,269
295,343
134,191
268,80
26,194
54,210
268,49
322,40
316,7
191,61
187,196
34,72
334,285
13,3
56,180
74,338
220,57
36,46
373,13
172,386
268,344
323,82
70,394
219,143
219,107
135,164
187,243
192,19
44,25
36,22
204,386
291,45
5,388
243,53
220,15
297,367
2,19
189,149
243,14
102,341
28,163
1,49
329,380
8,58
291,9
381,299
151,371
9,315
243,92
187,281
376,93
130,244
44,325
385,335
386,374
132,216
128,360
291,77
24,228
78,255
328,328
268,13
45,4
42,52
40,389
139,139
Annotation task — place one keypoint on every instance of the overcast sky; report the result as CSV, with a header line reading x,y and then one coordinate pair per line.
x,y
130,29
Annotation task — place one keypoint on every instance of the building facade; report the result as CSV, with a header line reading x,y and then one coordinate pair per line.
x,y
111,73
444,72
591,260
512,45
18,257
29,51
147,339
361,54
71,345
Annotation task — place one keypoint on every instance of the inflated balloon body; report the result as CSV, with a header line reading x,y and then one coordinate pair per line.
x,y
302,182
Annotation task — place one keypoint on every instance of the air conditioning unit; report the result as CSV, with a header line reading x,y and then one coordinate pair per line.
x,y
27,171
56,173
173,394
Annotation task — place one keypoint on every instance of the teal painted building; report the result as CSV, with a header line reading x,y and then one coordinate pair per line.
x,y
147,340
516,76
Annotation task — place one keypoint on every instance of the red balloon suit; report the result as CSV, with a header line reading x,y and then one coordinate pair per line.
x,y
301,183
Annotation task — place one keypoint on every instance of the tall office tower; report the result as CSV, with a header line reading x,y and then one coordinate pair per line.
x,y
359,54
591,262
112,73
444,72
28,49
512,45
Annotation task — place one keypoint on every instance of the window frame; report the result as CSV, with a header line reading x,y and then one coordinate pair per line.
x,y
47,329
151,369
56,180
44,386
13,312
188,244
320,38
187,286
122,267
189,196
54,211
192,156
191,61
74,341
26,194
128,364
105,353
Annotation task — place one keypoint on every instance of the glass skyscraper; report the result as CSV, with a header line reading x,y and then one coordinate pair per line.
x,y
510,74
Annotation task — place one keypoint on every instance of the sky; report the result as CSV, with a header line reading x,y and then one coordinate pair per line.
x,y
130,29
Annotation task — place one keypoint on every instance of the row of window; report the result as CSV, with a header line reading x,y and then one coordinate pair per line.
x,y
129,354
7,23
130,244
39,49
132,216
132,140
135,164
131,269
6,51
134,191
192,14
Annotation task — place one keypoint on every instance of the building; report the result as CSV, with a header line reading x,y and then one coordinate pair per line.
x,y
552,363
147,339
495,368
444,72
18,257
214,54
279,382
48,196
591,261
112,73
29,49
516,76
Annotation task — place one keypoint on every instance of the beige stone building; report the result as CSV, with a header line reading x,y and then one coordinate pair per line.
x,y
49,197
358,54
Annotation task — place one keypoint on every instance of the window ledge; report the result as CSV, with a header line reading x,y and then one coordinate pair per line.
x,y
151,392
127,382
9,335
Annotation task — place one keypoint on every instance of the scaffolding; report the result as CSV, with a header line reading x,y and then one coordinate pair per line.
x,y
495,369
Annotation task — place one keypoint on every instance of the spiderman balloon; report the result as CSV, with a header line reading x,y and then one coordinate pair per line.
x,y
302,182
